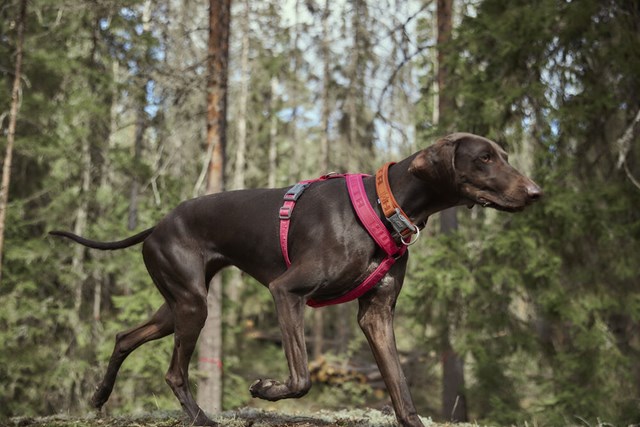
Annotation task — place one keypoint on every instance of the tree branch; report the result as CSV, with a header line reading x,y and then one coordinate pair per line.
x,y
624,146
395,72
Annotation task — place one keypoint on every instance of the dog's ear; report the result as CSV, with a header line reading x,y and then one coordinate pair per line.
x,y
436,163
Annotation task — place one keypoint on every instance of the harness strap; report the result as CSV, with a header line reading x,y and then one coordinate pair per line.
x,y
392,211
290,198
378,232
362,288
285,220
369,220
368,216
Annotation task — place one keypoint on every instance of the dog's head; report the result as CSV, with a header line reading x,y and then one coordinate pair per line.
x,y
477,170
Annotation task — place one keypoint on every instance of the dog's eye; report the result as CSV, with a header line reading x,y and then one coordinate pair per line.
x,y
485,158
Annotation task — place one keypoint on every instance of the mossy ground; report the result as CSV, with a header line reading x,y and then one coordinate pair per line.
x,y
248,417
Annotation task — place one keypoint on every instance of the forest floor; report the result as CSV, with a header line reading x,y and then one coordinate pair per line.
x,y
247,417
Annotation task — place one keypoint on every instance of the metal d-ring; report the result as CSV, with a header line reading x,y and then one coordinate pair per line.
x,y
411,242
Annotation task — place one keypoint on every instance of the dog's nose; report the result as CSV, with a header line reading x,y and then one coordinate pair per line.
x,y
533,191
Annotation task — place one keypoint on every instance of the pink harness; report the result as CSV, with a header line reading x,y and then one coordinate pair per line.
x,y
369,220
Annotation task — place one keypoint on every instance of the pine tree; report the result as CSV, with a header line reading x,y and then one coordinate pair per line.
x,y
210,343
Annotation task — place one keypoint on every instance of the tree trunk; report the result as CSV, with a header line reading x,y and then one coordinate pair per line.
x,y
295,170
245,75
445,99
141,125
326,81
317,332
13,118
454,405
359,145
353,147
210,344
217,72
103,281
235,283
273,133
77,261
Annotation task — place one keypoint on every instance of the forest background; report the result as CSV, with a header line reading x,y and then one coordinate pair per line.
x,y
539,311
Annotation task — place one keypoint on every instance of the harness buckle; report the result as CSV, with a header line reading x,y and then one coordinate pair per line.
x,y
294,193
285,212
400,223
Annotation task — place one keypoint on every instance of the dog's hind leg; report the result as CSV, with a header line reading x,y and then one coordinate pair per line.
x,y
158,326
190,312
179,273
290,310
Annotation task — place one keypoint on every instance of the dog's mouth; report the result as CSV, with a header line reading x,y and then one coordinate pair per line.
x,y
499,202
501,206
487,198
486,203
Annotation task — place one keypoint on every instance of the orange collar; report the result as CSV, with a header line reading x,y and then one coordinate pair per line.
x,y
392,211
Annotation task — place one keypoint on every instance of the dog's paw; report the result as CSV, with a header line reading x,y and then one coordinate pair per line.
x,y
412,420
260,387
99,398
275,390
268,389
202,420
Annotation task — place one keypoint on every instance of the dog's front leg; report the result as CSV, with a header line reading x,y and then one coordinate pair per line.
x,y
290,311
375,317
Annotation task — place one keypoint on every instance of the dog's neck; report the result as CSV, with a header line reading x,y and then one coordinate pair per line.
x,y
418,198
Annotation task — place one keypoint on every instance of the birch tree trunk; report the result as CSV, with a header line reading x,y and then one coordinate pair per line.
x,y
210,344
13,118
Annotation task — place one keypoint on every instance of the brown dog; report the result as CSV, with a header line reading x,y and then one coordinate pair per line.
x,y
330,250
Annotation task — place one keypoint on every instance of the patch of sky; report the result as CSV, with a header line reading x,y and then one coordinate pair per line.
x,y
305,118
153,102
559,75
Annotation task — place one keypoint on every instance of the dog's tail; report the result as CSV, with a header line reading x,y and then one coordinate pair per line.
x,y
105,246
